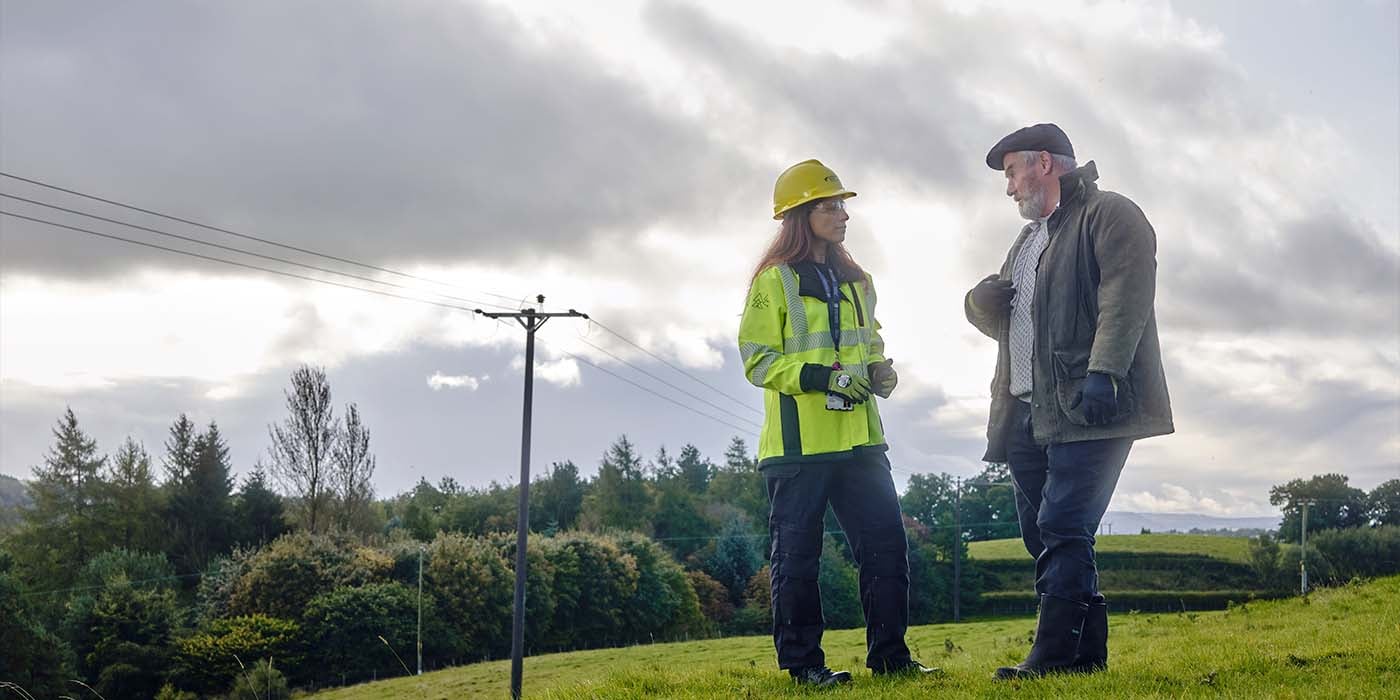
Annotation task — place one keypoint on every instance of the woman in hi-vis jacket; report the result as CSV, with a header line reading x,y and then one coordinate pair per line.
x,y
809,339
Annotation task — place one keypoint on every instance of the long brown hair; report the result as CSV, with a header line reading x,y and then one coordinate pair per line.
x,y
793,244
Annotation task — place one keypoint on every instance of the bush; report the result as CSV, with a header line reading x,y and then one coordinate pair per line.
x,y
209,660
215,591
594,582
145,569
1359,552
539,586
664,605
127,643
733,557
359,630
170,692
284,576
262,681
475,591
713,598
33,656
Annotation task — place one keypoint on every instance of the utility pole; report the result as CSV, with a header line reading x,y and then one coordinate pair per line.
x,y
530,320
420,609
957,551
1303,551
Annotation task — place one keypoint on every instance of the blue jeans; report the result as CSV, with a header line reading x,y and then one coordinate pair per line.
x,y
1062,492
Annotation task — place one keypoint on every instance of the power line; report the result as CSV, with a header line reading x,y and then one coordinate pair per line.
x,y
673,386
102,586
220,246
235,233
347,286
692,409
234,263
624,339
327,256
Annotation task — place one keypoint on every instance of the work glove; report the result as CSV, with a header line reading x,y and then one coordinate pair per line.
x,y
848,386
883,378
1100,398
993,295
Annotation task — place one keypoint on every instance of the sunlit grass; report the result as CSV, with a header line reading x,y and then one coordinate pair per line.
x,y
1340,643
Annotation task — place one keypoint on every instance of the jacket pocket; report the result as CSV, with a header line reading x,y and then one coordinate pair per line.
x,y
1071,367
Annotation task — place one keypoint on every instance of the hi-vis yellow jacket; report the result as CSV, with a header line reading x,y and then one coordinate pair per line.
x,y
785,343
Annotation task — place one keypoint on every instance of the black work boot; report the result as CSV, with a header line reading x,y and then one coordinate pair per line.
x,y
819,676
1056,640
909,667
1093,644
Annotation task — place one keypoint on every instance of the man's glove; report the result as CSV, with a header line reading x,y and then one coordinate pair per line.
x,y
1100,398
848,386
883,378
993,295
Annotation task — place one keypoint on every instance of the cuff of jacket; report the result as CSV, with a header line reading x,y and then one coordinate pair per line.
x,y
814,377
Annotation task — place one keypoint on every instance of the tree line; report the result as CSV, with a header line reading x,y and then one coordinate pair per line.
x,y
146,578
146,575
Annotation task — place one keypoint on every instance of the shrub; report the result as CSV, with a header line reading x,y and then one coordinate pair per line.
x,y
284,576
540,602
594,582
215,590
1360,551
169,692
128,641
353,630
260,680
209,660
475,590
664,605
713,598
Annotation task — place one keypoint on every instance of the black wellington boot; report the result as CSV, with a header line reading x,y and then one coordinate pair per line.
x,y
910,668
1093,644
819,676
1056,640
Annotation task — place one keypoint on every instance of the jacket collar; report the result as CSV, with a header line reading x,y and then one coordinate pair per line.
x,y
808,284
1074,185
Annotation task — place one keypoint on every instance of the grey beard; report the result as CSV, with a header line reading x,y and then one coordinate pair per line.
x,y
1031,206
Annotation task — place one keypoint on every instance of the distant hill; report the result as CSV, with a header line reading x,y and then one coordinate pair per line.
x,y
1119,522
14,498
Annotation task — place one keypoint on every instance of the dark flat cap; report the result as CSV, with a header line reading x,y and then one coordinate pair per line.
x,y
1038,137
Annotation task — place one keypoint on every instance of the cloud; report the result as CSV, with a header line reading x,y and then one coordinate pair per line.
x,y
562,372
397,133
1171,498
622,165
440,381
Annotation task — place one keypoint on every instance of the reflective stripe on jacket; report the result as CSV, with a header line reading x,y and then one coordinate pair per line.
x,y
786,327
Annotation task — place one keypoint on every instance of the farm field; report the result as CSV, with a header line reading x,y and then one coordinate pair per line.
x,y
1231,549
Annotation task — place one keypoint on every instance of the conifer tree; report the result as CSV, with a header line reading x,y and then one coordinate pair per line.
x,y
63,528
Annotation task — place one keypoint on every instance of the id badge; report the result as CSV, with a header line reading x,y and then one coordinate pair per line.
x,y
838,403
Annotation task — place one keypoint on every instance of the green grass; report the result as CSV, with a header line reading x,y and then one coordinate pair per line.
x,y
1339,643
1232,549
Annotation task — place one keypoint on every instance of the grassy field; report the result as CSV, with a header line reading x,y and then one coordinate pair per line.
x,y
1232,549
1339,643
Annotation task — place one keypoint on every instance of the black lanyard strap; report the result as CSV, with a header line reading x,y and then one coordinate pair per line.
x,y
832,288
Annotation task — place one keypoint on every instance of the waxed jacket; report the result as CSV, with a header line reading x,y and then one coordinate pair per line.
x,y
1093,312
786,345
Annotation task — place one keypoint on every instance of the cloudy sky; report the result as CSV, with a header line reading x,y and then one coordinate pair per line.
x,y
619,157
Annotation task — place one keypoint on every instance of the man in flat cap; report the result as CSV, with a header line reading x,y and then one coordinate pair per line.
x,y
1078,377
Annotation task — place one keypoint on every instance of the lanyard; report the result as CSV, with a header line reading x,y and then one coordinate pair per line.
x,y
832,287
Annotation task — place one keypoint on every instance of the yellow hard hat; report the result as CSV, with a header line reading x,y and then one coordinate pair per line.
x,y
803,183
